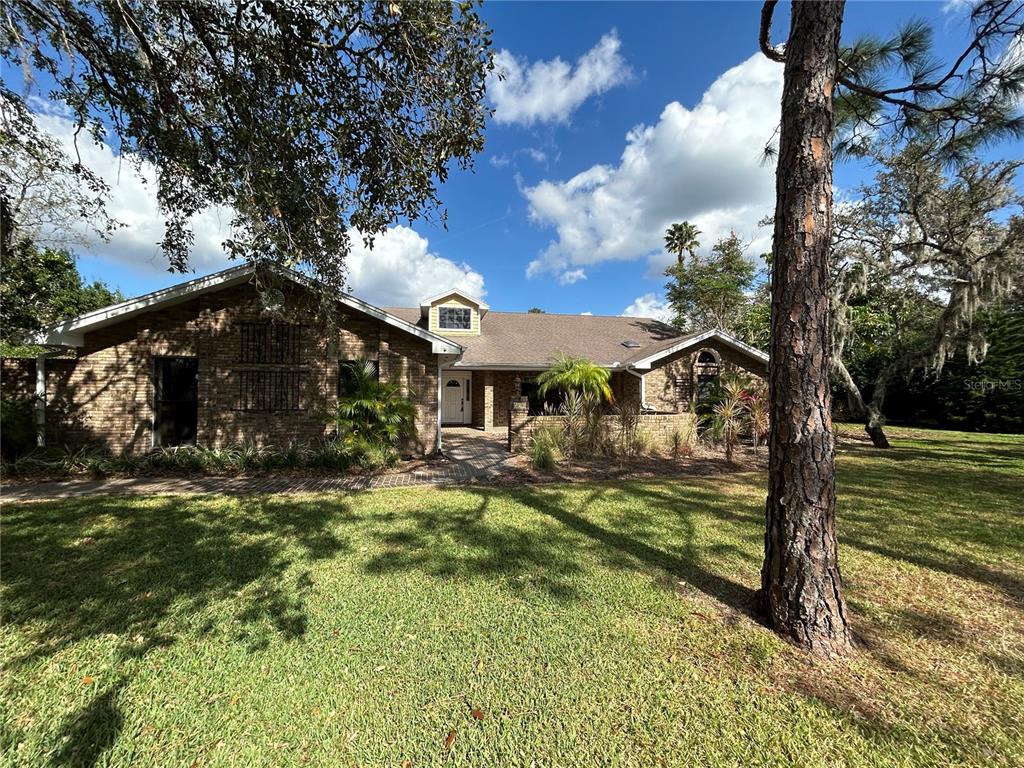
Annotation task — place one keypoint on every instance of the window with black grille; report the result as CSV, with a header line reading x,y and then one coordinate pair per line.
x,y
270,343
269,390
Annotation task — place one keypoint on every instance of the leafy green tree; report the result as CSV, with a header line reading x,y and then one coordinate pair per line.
x,y
308,120
754,325
916,259
39,287
681,238
535,311
576,374
987,395
711,291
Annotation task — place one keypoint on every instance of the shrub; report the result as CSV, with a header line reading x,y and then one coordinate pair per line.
x,y
376,411
17,426
546,447
728,417
681,442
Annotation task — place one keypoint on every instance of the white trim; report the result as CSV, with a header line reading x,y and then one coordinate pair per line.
x,y
426,303
440,405
41,400
731,341
71,333
466,378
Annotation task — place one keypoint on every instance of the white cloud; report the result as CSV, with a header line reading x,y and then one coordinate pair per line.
x,y
587,314
550,91
649,305
504,159
400,270
702,165
572,276
133,202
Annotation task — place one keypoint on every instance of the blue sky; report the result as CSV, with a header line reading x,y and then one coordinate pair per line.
x,y
613,120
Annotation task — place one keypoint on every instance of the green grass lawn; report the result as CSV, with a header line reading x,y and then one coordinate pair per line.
x,y
599,624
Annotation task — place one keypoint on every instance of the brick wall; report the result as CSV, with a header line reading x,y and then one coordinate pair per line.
x,y
105,396
670,387
660,427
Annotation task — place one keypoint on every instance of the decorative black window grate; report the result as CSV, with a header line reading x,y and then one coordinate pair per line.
x,y
269,390
271,343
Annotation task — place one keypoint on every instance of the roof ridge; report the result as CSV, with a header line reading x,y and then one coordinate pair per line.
x,y
558,314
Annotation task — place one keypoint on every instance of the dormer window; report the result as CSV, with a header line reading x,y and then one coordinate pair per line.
x,y
454,318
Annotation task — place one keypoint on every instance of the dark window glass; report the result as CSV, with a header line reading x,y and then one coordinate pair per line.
x,y
270,343
454,318
347,377
176,400
707,358
552,403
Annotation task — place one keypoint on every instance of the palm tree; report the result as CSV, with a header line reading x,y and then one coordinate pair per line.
x,y
375,411
576,374
681,238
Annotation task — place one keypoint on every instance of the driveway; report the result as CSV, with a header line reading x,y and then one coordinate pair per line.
x,y
470,454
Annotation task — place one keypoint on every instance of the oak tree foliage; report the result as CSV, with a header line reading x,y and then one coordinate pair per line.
x,y
310,121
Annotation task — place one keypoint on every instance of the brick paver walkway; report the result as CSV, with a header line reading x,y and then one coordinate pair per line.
x,y
472,455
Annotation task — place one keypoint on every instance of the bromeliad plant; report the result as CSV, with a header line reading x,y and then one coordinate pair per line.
x,y
376,412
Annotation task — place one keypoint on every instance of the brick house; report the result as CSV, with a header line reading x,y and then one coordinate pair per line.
x,y
224,359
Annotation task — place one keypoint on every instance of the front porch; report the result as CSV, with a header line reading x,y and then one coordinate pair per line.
x,y
482,398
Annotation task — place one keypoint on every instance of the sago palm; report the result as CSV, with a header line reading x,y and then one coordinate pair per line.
x,y
576,374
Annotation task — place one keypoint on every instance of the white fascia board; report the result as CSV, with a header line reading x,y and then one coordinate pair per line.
x,y
518,367
71,333
455,291
731,341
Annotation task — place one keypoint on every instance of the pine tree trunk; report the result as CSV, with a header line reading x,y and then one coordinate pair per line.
x,y
800,580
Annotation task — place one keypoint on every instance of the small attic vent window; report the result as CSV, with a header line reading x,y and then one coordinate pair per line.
x,y
630,344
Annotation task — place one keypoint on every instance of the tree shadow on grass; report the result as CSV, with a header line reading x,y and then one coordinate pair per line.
x,y
91,731
144,571
555,552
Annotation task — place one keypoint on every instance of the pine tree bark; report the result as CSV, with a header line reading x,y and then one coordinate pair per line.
x,y
801,587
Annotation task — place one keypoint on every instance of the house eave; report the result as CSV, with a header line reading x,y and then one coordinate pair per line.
x,y
646,363
71,333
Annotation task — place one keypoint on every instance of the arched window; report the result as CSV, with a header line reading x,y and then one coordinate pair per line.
x,y
706,371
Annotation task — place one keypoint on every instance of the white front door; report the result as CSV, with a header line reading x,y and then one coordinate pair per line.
x,y
455,408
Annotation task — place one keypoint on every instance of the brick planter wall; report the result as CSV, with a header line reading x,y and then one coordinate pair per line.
x,y
659,426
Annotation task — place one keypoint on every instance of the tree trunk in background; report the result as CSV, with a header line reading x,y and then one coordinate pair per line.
x,y
800,581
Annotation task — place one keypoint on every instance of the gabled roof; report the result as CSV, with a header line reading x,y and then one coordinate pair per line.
x,y
531,341
72,332
646,358
478,303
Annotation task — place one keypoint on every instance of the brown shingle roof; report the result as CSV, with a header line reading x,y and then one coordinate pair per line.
x,y
535,340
